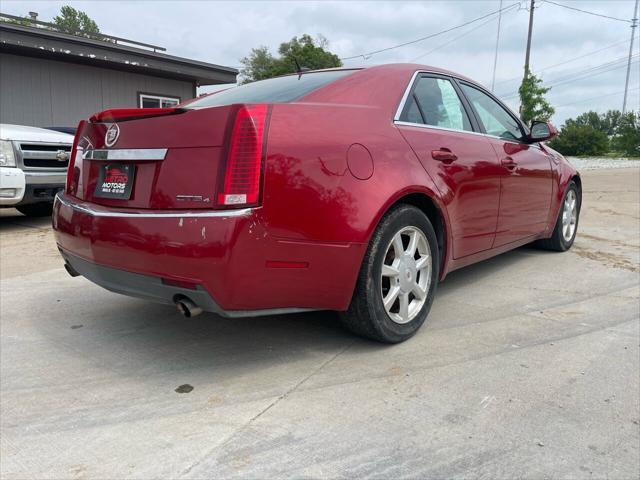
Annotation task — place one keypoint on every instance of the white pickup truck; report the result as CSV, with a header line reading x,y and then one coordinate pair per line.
x,y
33,167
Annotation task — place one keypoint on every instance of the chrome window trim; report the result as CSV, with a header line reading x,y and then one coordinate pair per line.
x,y
137,154
434,127
405,96
98,212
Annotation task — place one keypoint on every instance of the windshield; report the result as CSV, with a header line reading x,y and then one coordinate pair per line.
x,y
274,90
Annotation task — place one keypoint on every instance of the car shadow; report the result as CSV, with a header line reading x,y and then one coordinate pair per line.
x,y
139,338
12,220
477,272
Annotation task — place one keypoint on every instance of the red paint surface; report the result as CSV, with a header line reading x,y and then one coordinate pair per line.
x,y
313,210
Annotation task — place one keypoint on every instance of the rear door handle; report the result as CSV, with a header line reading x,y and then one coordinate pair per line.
x,y
509,163
444,155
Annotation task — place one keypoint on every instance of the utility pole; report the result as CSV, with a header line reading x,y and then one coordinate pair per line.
x,y
526,59
634,24
495,58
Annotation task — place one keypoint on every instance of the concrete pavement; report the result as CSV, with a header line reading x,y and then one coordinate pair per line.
x,y
528,366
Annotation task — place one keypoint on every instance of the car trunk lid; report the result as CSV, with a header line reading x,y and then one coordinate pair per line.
x,y
165,158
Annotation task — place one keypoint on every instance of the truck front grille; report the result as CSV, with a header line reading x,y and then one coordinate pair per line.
x,y
45,156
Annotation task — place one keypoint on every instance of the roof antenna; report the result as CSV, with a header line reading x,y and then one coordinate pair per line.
x,y
299,70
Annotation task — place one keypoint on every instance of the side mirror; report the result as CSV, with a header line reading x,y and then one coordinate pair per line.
x,y
541,131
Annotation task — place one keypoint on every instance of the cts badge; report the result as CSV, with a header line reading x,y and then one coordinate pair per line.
x,y
111,137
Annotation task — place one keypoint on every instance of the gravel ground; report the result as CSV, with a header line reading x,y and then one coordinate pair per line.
x,y
527,367
596,163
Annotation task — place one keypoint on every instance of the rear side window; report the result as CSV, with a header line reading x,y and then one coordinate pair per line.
x,y
273,90
434,101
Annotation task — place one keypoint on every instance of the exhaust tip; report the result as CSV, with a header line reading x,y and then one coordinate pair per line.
x,y
70,270
187,308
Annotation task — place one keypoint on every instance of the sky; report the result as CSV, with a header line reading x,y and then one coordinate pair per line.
x,y
567,45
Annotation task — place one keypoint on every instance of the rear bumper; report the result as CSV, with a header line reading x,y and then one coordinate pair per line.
x,y
152,288
238,267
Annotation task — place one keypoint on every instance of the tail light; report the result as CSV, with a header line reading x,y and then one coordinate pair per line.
x,y
242,177
73,171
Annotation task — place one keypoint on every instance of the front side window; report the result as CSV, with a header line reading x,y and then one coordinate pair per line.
x,y
495,119
146,100
435,102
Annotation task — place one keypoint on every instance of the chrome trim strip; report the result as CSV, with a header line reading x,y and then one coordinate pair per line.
x,y
99,212
45,178
434,127
42,155
396,118
150,154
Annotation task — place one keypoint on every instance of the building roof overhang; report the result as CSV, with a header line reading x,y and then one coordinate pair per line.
x,y
44,43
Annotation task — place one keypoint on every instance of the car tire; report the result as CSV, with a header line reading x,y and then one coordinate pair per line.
x,y
566,228
367,315
36,209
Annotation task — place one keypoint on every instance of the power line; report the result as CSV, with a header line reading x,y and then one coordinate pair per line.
x,y
495,56
369,54
596,98
564,76
579,75
586,11
571,80
565,62
454,39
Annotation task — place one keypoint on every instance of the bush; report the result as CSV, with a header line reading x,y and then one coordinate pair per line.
x,y
627,135
580,140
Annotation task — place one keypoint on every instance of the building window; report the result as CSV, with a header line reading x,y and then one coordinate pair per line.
x,y
148,100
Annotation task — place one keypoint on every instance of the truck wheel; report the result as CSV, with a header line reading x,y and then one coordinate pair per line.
x,y
36,209
398,278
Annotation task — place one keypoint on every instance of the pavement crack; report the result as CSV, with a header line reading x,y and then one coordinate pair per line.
x,y
275,402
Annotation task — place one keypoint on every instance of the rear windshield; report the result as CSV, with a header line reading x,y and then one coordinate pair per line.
x,y
273,90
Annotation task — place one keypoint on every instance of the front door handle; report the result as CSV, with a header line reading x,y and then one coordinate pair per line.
x,y
509,163
444,155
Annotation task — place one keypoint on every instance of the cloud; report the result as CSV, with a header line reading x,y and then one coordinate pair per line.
x,y
224,32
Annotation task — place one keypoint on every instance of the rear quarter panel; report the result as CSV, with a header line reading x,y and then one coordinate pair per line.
x,y
310,193
314,207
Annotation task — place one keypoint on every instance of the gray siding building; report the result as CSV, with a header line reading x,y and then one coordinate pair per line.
x,y
49,78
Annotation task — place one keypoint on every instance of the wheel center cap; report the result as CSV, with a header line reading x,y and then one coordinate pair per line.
x,y
408,273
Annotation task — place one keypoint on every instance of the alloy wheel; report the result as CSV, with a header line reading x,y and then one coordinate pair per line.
x,y
406,275
569,215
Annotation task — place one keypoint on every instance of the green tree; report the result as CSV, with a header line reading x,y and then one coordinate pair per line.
x,y
580,140
306,51
533,105
259,65
627,135
604,122
75,22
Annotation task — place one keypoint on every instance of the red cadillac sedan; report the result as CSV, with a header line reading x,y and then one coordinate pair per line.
x,y
355,190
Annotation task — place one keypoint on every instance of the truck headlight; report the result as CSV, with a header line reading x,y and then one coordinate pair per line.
x,y
7,156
